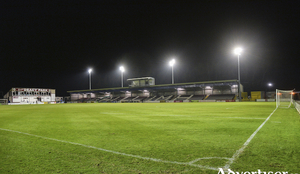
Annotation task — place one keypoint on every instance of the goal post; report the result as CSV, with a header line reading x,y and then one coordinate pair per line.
x,y
3,101
284,98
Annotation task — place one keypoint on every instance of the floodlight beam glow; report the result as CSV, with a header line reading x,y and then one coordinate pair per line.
x,y
122,68
90,70
238,51
172,62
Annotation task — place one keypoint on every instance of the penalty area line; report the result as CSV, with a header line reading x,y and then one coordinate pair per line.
x,y
238,152
115,152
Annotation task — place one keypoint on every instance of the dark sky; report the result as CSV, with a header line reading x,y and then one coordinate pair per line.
x,y
52,44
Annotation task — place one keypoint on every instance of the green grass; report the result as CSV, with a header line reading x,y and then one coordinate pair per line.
x,y
180,132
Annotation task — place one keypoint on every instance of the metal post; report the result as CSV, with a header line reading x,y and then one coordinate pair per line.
x,y
122,78
172,76
239,79
276,98
90,81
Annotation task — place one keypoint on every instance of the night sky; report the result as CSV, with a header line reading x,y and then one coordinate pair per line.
x,y
52,44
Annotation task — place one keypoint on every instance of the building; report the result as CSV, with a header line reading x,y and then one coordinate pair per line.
x,y
59,99
30,96
145,90
143,81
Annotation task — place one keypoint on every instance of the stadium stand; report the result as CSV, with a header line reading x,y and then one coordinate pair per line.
x,y
103,100
150,98
83,100
183,97
161,98
109,99
197,97
169,97
140,98
209,90
116,99
127,99
220,97
156,98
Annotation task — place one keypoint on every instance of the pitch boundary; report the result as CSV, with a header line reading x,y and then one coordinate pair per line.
x,y
190,163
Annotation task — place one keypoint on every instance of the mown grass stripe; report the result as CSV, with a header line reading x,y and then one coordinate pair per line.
x,y
238,152
114,152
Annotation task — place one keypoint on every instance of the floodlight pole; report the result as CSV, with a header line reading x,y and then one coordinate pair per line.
x,y
122,78
239,79
90,82
90,79
172,75
171,63
122,71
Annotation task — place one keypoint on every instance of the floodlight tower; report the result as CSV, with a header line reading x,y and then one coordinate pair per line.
x,y
270,84
171,63
90,71
122,71
238,51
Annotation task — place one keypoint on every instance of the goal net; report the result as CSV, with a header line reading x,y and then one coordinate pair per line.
x,y
284,98
3,101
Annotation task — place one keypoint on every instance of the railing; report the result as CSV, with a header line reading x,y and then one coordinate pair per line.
x,y
297,105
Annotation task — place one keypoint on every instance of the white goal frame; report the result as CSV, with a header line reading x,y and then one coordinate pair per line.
x,y
3,102
284,98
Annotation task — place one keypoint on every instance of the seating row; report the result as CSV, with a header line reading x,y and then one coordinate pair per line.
x,y
159,98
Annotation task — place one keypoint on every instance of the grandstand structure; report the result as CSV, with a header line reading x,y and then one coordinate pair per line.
x,y
223,90
30,96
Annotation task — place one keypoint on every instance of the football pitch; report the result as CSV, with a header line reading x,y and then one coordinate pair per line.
x,y
149,138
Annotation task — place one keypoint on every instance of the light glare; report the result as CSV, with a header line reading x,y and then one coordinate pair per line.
x,y
270,84
90,70
172,62
238,51
122,69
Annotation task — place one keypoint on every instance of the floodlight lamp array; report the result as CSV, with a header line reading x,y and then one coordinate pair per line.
x,y
172,62
238,51
122,69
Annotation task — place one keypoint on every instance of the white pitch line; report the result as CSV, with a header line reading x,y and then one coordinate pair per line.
x,y
115,152
238,152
